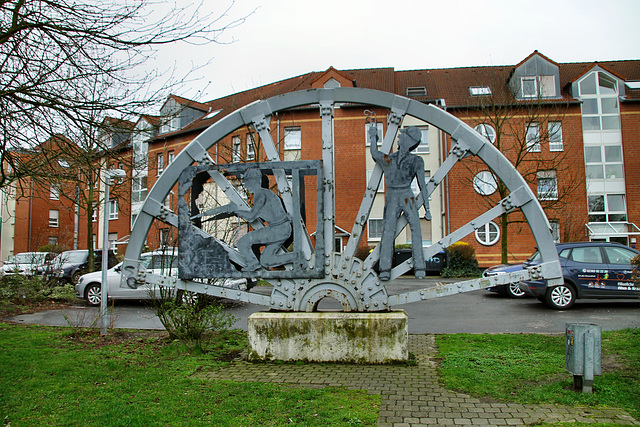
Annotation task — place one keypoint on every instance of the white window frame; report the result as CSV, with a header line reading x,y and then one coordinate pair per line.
x,y
542,178
139,188
486,231
605,214
236,148
113,238
485,183
415,188
54,218
543,86
292,138
487,131
113,209
164,235
54,191
380,128
423,147
479,90
251,147
528,94
555,136
533,138
381,186
547,86
375,237
171,155
555,230
598,98
160,164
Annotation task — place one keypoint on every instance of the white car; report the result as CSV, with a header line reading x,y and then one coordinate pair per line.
x,y
157,262
26,263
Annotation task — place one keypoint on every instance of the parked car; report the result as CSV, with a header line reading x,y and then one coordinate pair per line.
x,y
26,263
70,265
433,265
595,270
156,262
511,290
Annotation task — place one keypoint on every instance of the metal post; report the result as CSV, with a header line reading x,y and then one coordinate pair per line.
x,y
104,288
105,257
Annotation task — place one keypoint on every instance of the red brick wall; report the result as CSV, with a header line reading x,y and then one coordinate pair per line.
x,y
630,118
571,210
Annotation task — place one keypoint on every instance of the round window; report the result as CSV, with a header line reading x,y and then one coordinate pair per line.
x,y
487,131
488,234
485,183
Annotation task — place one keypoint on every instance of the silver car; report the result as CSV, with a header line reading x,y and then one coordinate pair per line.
x,y
158,262
26,263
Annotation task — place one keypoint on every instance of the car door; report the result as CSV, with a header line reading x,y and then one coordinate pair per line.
x,y
586,267
124,292
621,283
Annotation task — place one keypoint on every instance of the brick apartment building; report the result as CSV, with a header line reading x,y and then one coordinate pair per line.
x,y
571,129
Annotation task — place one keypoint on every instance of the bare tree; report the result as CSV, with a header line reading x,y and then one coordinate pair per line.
x,y
520,130
65,64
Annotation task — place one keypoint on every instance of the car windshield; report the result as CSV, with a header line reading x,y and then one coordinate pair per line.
x,y
534,257
27,258
72,257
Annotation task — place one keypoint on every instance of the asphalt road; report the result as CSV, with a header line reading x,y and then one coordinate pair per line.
x,y
471,312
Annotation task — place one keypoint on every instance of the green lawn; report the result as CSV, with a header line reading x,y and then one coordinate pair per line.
x,y
530,369
64,376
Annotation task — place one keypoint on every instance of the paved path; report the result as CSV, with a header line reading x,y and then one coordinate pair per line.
x,y
412,395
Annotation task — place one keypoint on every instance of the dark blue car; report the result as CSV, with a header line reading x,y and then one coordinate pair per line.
x,y
594,270
512,289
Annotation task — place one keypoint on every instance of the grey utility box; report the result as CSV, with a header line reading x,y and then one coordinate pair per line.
x,y
583,357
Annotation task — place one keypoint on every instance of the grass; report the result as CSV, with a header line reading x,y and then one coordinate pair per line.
x,y
67,376
530,369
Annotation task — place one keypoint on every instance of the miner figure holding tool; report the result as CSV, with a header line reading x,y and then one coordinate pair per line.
x,y
400,168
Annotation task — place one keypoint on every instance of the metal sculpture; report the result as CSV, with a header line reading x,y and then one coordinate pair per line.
x,y
400,168
306,273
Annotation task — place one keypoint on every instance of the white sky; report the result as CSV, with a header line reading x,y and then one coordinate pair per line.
x,y
286,38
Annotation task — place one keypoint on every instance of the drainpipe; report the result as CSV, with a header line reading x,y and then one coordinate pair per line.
x,y
443,146
30,214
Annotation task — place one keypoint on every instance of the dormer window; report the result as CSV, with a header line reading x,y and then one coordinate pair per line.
x,y
413,92
538,86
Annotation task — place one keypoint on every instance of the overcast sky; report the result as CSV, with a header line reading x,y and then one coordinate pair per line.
x,y
286,38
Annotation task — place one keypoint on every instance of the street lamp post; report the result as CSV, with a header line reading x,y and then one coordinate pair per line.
x,y
109,175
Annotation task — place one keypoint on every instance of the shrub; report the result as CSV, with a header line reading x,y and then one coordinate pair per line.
x,y
635,262
191,318
462,261
363,252
22,290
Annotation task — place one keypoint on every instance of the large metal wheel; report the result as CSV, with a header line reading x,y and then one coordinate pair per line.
x,y
354,283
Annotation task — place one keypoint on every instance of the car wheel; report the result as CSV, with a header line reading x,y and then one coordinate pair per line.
x,y
93,294
561,297
513,291
186,297
76,275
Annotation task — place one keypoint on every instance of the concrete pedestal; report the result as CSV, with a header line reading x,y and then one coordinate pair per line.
x,y
329,336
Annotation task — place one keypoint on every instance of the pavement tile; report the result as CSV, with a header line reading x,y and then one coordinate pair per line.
x,y
412,395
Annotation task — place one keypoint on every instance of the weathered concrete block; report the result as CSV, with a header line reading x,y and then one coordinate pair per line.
x,y
329,336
